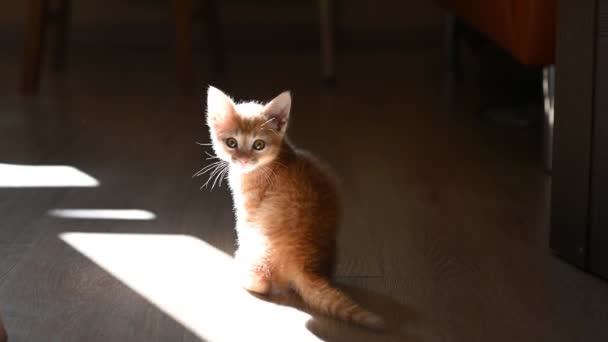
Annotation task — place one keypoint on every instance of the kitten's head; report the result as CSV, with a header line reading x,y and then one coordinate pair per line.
x,y
247,135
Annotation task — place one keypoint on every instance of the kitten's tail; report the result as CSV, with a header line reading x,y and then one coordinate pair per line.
x,y
320,295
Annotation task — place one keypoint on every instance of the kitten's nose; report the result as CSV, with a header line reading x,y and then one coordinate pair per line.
x,y
244,160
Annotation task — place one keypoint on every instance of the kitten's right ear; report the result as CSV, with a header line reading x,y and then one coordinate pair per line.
x,y
277,110
220,108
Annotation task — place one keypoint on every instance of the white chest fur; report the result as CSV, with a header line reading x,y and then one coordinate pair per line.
x,y
250,239
236,186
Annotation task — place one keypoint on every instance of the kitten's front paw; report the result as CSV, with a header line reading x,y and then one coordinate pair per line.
x,y
255,283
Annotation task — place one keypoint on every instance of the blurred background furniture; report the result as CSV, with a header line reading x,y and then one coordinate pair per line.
x,y
525,29
54,16
46,14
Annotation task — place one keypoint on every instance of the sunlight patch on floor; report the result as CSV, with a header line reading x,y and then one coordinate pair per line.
x,y
193,282
41,176
103,214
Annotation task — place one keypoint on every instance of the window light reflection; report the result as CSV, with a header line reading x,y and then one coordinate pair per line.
x,y
32,176
193,282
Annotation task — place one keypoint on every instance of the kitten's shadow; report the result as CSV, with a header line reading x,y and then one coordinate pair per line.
x,y
397,316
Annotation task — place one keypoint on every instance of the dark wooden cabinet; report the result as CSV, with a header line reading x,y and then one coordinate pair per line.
x,y
579,208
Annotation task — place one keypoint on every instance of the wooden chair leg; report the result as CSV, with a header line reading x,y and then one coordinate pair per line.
x,y
37,19
326,20
182,10
62,28
213,29
450,57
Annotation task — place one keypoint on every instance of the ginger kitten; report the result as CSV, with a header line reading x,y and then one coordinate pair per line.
x,y
286,205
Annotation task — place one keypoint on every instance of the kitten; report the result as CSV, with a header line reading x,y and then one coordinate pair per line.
x,y
286,205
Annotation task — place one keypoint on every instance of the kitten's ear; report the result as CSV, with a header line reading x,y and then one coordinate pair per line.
x,y
277,110
220,108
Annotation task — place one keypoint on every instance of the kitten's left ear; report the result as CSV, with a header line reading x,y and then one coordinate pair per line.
x,y
277,110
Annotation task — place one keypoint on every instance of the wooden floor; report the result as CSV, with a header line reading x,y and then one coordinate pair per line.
x,y
445,228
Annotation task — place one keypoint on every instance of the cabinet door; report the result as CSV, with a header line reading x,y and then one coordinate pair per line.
x,y
574,93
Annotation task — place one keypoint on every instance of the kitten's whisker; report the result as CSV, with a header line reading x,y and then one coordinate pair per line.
x,y
206,168
201,171
267,121
201,144
214,163
273,176
214,172
279,163
207,182
271,131
217,169
217,177
227,174
211,156
268,175
269,178
220,176
224,174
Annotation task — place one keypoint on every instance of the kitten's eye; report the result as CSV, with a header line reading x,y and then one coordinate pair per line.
x,y
259,145
231,143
